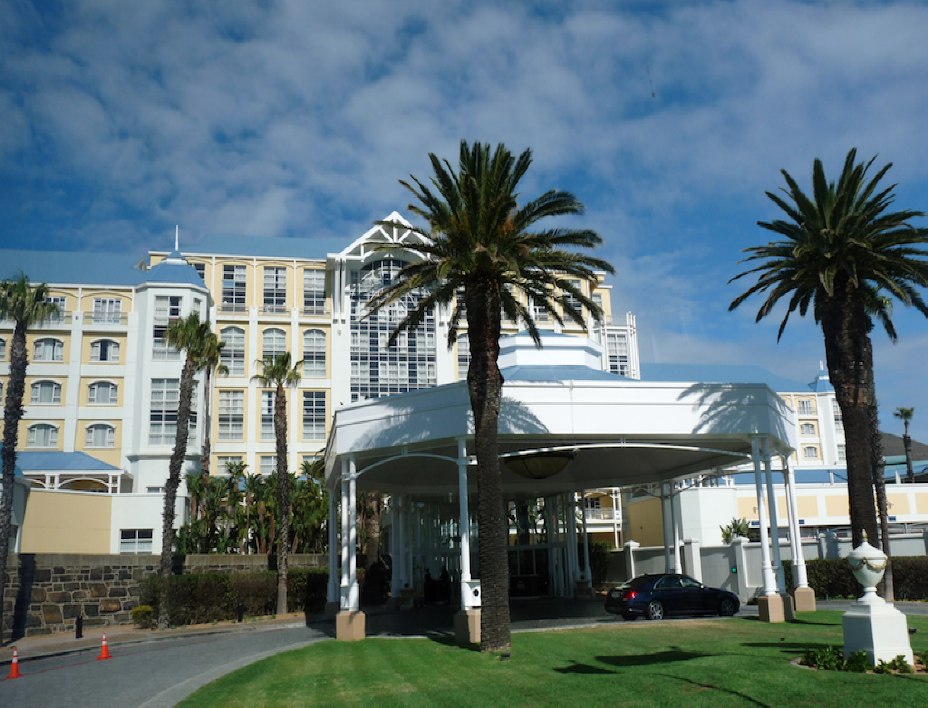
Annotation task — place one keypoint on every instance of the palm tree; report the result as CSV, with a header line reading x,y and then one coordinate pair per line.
x,y
25,305
279,373
479,240
193,337
905,415
841,251
212,352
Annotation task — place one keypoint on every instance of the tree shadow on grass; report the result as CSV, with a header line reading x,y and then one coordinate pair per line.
x,y
711,687
451,643
661,657
576,668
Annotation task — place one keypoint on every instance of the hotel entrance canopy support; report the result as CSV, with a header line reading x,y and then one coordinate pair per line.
x,y
616,432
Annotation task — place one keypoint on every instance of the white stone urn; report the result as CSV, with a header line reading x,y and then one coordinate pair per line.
x,y
868,565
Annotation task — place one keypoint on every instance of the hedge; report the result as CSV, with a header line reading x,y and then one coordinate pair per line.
x,y
832,577
206,597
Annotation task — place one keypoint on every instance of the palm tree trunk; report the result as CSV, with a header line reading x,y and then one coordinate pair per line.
x,y
485,385
12,414
879,484
907,444
283,497
850,368
372,523
173,482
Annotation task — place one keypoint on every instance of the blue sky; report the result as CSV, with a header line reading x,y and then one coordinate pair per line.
x,y
297,118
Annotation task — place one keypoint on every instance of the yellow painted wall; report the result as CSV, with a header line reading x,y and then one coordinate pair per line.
x,y
808,506
921,503
645,522
836,506
67,522
898,504
747,508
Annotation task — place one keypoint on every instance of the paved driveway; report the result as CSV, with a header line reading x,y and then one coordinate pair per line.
x,y
150,674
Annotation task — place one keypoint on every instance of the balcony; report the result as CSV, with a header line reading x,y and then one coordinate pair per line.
x,y
107,318
600,515
233,307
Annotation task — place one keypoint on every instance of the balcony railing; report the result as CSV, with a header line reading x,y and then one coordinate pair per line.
x,y
108,318
233,307
600,514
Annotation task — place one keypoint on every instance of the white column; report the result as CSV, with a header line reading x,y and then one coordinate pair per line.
x,y
466,596
395,583
799,560
667,518
770,583
343,600
333,544
574,558
587,573
774,522
675,520
354,595
616,508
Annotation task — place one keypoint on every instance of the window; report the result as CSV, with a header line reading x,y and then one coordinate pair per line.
x,y
267,415
593,502
313,292
275,289
60,315
810,452
107,310
807,429
49,350
42,435
274,343
165,398
460,303
314,354
412,357
836,410
268,464
570,300
806,407
167,307
539,313
46,393
201,270
597,299
617,351
101,435
233,288
160,349
102,393
233,353
313,415
842,454
104,350
231,415
463,356
2,350
135,542
223,461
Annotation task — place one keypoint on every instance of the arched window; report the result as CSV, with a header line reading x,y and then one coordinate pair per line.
x,y
314,354
42,435
102,393
104,351
810,452
49,350
101,435
807,429
233,353
2,349
463,356
274,342
46,393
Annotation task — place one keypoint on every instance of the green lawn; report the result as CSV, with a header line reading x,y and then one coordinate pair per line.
x,y
702,663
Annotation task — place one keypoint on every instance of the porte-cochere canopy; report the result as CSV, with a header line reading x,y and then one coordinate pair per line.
x,y
619,432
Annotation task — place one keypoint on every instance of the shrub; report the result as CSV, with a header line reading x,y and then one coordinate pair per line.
x,y
255,592
737,527
599,561
831,577
143,615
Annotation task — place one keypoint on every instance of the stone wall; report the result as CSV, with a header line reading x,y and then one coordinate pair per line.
x,y
46,593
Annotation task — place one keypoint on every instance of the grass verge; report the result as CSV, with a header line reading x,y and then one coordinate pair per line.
x,y
701,662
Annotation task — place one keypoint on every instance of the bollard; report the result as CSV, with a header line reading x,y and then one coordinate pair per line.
x,y
241,611
79,627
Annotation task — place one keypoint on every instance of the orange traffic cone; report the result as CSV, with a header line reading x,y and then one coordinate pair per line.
x,y
104,651
14,669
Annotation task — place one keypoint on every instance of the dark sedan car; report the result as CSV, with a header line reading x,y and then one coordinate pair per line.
x,y
659,596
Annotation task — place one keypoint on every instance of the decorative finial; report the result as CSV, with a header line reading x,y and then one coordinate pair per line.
x,y
866,540
176,234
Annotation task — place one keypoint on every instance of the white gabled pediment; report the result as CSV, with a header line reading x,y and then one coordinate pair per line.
x,y
401,234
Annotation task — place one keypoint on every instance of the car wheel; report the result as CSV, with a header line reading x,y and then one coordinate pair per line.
x,y
628,616
727,608
655,610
